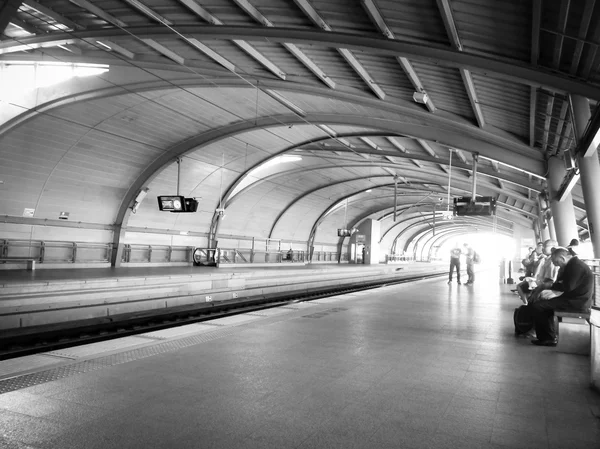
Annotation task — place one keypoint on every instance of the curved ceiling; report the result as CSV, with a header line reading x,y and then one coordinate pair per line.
x,y
234,88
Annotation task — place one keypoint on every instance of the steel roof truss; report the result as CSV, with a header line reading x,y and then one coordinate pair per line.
x,y
535,51
397,144
308,9
21,24
293,49
245,46
148,12
7,12
85,4
52,14
446,12
583,31
164,51
212,54
378,19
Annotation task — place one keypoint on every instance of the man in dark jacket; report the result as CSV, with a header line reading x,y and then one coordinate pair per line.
x,y
576,282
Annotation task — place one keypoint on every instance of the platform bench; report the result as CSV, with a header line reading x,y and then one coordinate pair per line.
x,y
574,335
28,260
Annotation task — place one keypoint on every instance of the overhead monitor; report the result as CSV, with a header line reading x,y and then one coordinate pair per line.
x,y
482,206
171,203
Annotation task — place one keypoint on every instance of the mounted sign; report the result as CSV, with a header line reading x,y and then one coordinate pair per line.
x,y
177,203
484,205
171,203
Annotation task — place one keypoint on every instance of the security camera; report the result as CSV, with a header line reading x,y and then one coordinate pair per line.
x,y
139,198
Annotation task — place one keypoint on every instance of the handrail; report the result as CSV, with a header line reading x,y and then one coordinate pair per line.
x,y
59,251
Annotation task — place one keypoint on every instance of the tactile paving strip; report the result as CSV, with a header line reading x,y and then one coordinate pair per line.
x,y
28,380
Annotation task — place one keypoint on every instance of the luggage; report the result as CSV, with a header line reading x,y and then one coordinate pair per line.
x,y
523,320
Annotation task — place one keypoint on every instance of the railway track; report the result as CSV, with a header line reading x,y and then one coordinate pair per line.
x,y
55,337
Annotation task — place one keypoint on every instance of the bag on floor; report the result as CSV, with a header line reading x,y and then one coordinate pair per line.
x,y
523,320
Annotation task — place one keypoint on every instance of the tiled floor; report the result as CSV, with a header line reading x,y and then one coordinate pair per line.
x,y
421,365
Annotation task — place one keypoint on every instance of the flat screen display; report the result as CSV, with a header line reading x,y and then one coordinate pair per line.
x,y
171,203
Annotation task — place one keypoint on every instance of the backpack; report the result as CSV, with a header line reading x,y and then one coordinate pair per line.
x,y
523,320
476,258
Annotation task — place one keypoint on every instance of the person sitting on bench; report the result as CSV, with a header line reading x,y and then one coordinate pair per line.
x,y
544,275
575,287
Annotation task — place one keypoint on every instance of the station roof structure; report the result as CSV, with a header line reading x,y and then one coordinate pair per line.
x,y
293,115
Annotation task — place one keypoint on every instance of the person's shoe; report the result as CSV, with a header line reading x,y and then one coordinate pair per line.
x,y
458,283
544,342
449,282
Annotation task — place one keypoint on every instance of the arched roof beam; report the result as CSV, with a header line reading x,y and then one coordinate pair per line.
x,y
332,184
415,235
447,136
422,51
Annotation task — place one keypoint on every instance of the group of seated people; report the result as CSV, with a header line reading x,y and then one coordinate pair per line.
x,y
559,281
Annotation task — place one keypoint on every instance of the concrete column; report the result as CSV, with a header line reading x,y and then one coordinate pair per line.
x,y
589,169
562,211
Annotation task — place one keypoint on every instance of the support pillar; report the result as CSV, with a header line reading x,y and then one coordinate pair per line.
x,y
589,169
563,212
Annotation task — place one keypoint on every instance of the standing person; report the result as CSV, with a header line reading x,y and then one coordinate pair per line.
x,y
574,286
469,255
455,262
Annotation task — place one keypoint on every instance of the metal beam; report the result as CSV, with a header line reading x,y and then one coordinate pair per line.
x,y
23,25
560,127
377,19
584,26
503,69
397,144
52,14
148,12
212,54
370,143
556,57
293,49
447,16
85,4
245,46
8,11
164,51
427,147
460,155
308,9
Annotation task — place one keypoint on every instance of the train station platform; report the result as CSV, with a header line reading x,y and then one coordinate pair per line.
x,y
76,297
416,365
